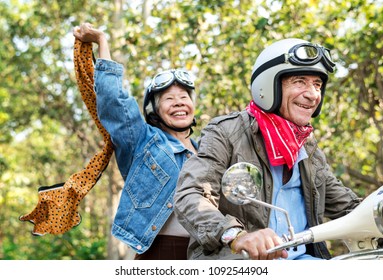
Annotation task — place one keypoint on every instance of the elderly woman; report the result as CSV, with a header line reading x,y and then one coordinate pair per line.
x,y
150,151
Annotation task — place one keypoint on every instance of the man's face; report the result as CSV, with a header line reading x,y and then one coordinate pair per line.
x,y
301,96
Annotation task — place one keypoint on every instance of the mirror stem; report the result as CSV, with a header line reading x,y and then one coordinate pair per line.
x,y
291,229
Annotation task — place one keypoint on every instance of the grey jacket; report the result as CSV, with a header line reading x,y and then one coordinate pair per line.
x,y
206,214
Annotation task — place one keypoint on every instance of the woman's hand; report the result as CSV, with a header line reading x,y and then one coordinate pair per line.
x,y
88,34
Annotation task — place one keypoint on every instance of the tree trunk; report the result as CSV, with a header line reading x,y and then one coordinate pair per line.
x,y
117,250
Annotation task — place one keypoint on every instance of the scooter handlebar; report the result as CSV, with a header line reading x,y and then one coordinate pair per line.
x,y
301,238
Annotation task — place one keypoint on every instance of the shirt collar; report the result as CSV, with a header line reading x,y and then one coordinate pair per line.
x,y
302,154
176,145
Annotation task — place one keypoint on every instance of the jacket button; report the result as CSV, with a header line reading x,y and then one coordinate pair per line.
x,y
138,247
153,166
169,205
154,227
188,155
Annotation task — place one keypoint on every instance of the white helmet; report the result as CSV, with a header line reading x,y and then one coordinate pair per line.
x,y
287,57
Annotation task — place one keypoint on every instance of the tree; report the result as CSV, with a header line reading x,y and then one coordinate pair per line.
x,y
46,133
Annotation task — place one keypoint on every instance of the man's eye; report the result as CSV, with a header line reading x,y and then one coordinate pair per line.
x,y
300,82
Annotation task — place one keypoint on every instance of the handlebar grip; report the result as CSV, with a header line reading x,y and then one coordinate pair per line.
x,y
301,238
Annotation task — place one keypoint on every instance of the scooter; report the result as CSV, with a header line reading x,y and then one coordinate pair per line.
x,y
360,230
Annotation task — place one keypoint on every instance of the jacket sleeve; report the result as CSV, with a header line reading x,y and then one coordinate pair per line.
x,y
197,196
118,111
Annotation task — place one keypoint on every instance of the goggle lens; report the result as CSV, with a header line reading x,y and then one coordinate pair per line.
x,y
162,79
166,78
184,77
307,53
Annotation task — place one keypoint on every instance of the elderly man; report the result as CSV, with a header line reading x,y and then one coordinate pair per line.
x,y
274,133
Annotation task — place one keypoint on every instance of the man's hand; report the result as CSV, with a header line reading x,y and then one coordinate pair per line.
x,y
257,243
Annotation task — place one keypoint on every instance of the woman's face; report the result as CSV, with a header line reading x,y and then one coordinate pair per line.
x,y
175,107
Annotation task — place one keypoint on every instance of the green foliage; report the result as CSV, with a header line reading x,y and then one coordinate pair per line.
x,y
46,133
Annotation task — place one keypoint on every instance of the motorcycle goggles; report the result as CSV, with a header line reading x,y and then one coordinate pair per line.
x,y
166,78
309,54
305,54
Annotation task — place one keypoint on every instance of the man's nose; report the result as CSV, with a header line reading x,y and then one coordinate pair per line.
x,y
311,91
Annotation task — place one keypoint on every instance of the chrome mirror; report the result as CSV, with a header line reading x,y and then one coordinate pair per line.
x,y
242,183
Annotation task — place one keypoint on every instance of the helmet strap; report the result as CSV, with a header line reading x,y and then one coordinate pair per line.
x,y
180,129
155,120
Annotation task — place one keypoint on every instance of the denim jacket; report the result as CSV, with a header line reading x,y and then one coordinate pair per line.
x,y
148,158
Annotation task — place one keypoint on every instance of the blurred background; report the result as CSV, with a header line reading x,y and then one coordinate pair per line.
x,y
47,134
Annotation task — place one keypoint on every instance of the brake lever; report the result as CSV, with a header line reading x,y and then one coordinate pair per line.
x,y
301,238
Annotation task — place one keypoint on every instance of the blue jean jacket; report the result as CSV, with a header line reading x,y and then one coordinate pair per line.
x,y
148,158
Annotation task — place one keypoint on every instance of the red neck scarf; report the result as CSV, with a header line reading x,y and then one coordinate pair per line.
x,y
283,139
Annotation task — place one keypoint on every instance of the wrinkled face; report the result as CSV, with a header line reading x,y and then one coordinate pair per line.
x,y
301,95
175,107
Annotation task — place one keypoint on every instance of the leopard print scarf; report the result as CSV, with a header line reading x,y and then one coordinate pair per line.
x,y
56,211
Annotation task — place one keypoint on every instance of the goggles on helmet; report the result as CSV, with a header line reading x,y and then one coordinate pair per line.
x,y
165,79
309,54
305,54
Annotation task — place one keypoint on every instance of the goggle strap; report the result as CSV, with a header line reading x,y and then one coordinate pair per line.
x,y
284,58
181,129
275,61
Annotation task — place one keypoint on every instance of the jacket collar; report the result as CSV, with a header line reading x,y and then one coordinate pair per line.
x,y
258,140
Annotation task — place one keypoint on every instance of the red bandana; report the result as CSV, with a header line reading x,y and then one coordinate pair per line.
x,y
283,138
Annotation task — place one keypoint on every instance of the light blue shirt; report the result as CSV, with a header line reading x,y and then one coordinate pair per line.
x,y
289,196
